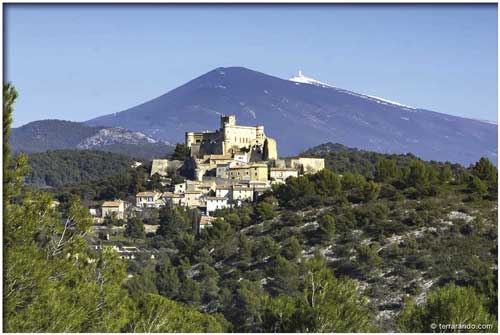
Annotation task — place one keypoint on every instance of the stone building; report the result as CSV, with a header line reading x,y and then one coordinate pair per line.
x,y
304,165
307,165
149,199
280,174
165,167
250,172
113,208
232,139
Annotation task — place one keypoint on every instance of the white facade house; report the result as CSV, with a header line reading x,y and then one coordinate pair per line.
x,y
223,191
240,193
214,203
173,199
180,188
280,174
149,199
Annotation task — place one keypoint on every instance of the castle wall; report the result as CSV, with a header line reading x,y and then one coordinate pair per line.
x,y
163,166
307,165
231,139
236,137
270,149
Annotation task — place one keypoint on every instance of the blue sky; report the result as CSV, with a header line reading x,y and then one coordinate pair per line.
x,y
76,62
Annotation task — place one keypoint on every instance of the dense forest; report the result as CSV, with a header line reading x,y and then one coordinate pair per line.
x,y
59,167
372,243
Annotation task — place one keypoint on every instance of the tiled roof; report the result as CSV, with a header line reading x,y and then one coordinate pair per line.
x,y
147,194
115,203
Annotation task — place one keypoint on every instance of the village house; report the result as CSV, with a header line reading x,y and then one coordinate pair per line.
x,y
280,174
174,199
115,208
206,221
193,198
223,191
215,203
240,194
251,171
148,199
304,165
180,188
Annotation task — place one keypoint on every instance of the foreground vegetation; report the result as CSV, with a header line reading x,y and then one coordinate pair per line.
x,y
53,282
373,243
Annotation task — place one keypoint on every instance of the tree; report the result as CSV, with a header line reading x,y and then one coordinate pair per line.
x,y
325,304
477,186
171,222
135,228
278,313
285,276
485,170
264,211
445,174
386,170
326,182
208,279
245,248
329,304
291,249
53,282
418,175
446,305
167,279
181,152
160,315
246,307
265,247
488,173
221,238
326,227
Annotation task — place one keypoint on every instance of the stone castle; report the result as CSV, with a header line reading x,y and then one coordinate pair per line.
x,y
236,153
232,139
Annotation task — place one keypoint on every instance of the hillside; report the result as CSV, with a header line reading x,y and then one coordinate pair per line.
x,y
45,135
341,159
318,112
40,136
396,231
58,167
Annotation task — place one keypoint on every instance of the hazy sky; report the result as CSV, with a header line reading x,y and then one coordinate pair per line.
x,y
76,62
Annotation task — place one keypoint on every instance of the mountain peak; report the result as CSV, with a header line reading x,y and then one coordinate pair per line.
x,y
303,112
301,78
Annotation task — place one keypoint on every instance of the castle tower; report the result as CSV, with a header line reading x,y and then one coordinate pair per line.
x,y
189,139
227,120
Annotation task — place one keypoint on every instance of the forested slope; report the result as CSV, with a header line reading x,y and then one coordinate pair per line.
x,y
333,251
58,167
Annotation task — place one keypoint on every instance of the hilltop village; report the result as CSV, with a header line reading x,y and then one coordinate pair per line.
x,y
227,167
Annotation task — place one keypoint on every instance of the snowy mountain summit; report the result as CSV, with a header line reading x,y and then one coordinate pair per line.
x,y
300,78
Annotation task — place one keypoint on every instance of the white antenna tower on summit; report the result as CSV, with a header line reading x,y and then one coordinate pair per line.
x,y
300,73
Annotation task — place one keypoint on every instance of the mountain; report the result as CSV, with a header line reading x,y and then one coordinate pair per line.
x,y
40,136
303,112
